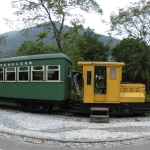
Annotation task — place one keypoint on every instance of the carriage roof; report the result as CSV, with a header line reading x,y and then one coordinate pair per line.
x,y
36,57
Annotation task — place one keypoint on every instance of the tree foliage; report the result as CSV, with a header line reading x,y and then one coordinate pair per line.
x,y
133,21
137,61
92,49
86,46
3,39
70,39
125,50
36,47
53,13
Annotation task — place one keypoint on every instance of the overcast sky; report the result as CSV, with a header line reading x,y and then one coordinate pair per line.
x,y
93,21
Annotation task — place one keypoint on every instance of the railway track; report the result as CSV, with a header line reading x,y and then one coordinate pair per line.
x,y
63,112
55,111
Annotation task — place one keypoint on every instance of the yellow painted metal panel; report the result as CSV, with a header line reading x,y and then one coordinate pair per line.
x,y
132,93
101,63
113,86
132,97
88,88
100,97
88,98
130,88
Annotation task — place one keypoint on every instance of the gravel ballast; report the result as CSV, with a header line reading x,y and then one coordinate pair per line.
x,y
73,131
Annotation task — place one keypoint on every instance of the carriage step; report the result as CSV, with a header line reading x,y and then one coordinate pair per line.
x,y
99,116
99,113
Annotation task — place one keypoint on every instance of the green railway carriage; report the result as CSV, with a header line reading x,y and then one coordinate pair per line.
x,y
42,78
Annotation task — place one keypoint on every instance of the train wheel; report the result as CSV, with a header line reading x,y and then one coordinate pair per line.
x,y
51,107
32,107
45,108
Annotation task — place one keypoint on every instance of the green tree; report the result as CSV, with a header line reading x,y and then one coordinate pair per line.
x,y
3,39
133,21
53,13
137,61
84,46
36,47
125,50
92,49
70,40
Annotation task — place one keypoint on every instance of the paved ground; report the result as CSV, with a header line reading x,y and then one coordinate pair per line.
x,y
8,144
73,131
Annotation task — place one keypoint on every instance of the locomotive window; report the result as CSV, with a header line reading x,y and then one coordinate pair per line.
x,y
53,73
69,71
100,80
112,73
10,74
23,73
37,73
1,74
88,77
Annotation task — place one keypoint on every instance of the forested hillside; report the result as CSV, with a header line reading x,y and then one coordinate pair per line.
x,y
15,39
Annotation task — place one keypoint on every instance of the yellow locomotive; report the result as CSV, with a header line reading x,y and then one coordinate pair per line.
x,y
102,87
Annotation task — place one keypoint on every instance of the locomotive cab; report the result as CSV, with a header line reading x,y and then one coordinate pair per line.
x,y
102,84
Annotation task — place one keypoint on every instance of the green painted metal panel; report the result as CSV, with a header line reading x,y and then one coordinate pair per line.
x,y
34,90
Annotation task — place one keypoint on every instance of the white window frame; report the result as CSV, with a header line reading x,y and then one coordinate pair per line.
x,y
53,70
69,70
3,75
10,71
18,71
37,70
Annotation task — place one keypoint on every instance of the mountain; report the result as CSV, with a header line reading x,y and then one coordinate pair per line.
x,y
15,39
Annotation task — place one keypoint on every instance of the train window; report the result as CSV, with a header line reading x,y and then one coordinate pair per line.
x,y
1,74
52,67
11,74
23,69
38,68
23,73
37,73
11,69
53,73
88,77
69,71
112,73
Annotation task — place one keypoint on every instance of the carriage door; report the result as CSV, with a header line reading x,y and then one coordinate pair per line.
x,y
88,84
